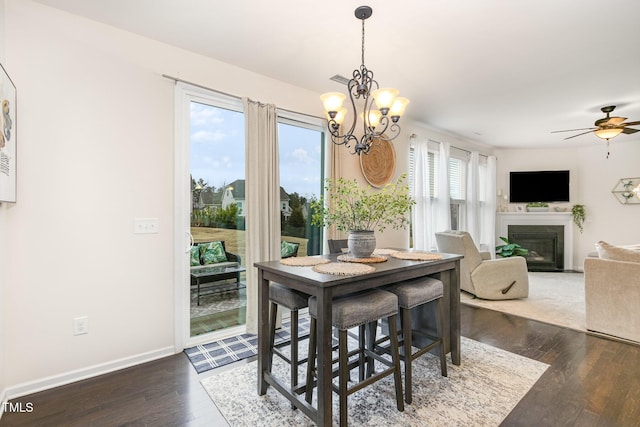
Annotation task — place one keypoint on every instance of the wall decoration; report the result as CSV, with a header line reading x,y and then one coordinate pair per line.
x,y
627,191
8,132
379,164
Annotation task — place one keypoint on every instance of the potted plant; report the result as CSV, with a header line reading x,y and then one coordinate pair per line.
x,y
537,207
510,249
361,210
579,216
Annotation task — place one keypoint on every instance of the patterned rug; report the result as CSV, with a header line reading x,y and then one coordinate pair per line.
x,y
480,392
219,353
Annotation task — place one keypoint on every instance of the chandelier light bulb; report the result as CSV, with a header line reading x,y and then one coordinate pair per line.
x,y
332,101
384,98
398,107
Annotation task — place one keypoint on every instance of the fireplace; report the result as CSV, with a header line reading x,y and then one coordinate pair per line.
x,y
545,244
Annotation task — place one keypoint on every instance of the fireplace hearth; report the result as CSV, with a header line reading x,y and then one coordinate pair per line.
x,y
545,244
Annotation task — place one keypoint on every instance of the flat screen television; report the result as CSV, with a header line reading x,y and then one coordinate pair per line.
x,y
539,186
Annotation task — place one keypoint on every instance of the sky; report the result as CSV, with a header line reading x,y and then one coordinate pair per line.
x,y
217,151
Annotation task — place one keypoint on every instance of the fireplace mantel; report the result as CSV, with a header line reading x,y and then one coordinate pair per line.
x,y
504,219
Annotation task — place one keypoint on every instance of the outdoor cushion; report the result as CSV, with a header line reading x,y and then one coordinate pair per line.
x,y
195,255
288,249
212,252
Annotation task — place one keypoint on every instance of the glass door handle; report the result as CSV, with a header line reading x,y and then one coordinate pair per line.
x,y
191,241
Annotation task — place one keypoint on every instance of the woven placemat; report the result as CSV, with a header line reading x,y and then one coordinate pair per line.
x,y
367,260
303,261
384,251
343,268
417,256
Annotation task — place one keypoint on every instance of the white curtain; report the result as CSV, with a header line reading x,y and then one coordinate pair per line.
x,y
488,213
442,203
423,237
472,198
432,212
262,196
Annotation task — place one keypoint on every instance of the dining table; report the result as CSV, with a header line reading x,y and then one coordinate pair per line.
x,y
326,287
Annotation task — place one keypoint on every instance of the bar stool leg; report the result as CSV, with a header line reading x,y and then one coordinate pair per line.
x,y
408,359
272,332
439,323
294,348
311,359
395,355
343,376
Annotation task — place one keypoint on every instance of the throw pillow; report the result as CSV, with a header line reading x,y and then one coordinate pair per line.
x,y
195,255
288,249
212,253
607,251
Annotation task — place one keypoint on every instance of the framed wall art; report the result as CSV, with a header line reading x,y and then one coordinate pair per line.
x,y
8,148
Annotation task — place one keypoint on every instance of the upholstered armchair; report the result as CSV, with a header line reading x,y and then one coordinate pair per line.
x,y
494,279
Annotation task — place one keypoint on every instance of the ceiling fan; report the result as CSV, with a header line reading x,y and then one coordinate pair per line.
x,y
607,127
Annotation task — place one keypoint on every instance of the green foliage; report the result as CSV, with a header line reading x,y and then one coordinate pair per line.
x,y
510,249
355,208
537,205
579,215
227,216
297,218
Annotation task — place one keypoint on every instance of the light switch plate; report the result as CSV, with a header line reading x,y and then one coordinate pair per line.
x,y
145,225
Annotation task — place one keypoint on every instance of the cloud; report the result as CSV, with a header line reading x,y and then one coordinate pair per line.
x,y
208,136
205,115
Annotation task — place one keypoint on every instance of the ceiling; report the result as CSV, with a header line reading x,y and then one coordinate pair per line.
x,y
499,72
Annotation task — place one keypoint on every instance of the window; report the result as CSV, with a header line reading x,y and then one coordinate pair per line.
x,y
301,144
457,175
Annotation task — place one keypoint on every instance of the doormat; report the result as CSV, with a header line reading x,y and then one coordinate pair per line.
x,y
205,357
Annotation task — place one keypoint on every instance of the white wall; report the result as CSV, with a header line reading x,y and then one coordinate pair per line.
x,y
96,141
3,245
593,176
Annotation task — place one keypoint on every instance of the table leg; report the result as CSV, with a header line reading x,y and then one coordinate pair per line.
x,y
454,313
324,339
263,331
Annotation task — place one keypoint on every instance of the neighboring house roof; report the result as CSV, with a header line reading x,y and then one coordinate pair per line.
x,y
239,191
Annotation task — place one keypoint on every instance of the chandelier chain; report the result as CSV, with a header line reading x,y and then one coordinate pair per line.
x,y
362,41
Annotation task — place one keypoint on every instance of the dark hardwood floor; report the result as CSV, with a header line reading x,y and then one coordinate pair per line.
x,y
591,381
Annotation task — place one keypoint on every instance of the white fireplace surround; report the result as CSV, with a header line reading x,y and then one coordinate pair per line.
x,y
505,219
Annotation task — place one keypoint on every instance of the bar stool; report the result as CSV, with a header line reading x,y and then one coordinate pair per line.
x,y
413,293
348,312
294,301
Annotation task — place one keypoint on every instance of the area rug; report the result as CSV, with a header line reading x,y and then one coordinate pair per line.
x,y
222,352
555,298
480,392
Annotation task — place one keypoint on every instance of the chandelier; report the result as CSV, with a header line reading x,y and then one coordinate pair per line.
x,y
377,123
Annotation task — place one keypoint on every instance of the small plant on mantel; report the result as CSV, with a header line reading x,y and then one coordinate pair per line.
x,y
579,215
510,249
538,205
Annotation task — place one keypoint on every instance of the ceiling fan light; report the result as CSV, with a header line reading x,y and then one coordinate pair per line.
x,y
608,133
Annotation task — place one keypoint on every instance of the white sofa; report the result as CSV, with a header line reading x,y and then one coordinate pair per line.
x,y
612,291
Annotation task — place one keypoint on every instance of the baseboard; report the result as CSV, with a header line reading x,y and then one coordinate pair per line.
x,y
47,383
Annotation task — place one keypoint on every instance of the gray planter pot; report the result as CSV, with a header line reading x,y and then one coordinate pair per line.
x,y
361,243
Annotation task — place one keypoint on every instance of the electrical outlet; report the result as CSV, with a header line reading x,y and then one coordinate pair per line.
x,y
145,225
81,325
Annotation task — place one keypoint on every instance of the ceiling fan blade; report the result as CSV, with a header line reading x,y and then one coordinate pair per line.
x,y
609,121
630,130
583,133
631,124
572,130
615,121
